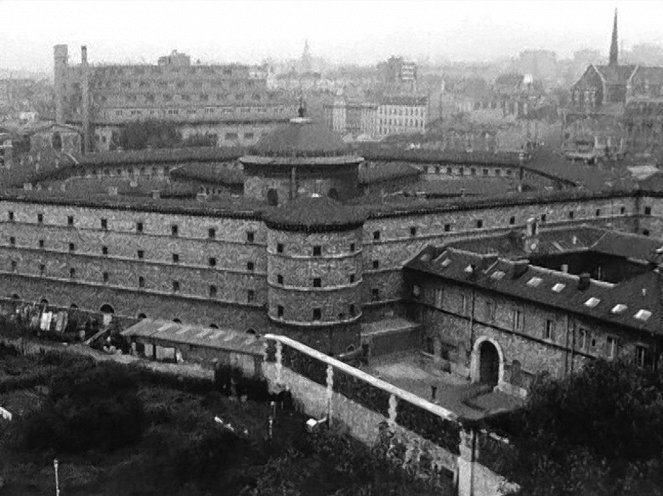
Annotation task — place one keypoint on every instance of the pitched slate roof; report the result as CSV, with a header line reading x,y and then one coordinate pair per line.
x,y
613,303
616,74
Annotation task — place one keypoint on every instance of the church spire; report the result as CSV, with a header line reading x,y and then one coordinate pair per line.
x,y
614,48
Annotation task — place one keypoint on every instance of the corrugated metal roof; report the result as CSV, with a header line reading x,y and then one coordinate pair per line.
x,y
191,334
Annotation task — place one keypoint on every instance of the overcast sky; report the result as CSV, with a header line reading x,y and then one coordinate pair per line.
x,y
363,31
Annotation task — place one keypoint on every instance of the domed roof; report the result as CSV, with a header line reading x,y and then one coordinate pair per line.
x,y
301,137
315,214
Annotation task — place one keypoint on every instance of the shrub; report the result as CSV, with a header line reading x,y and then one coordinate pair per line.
x,y
87,407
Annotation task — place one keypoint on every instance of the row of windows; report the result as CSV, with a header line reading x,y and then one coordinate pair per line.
x,y
317,312
105,277
316,250
316,281
461,171
140,254
225,111
401,111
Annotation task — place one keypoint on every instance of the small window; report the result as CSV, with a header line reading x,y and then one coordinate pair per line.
x,y
250,266
645,232
176,286
598,212
571,214
517,319
317,314
317,282
611,344
543,217
72,273
592,302
376,264
139,227
250,236
352,247
105,276
279,248
447,227
176,258
413,231
479,223
512,220
10,216
279,310
174,230
375,294
622,210
352,278
212,262
317,251
250,296
41,243
70,220
582,339
40,218
141,282
647,210
549,331
279,279
72,247
104,224
12,240
14,265
376,235
211,233
212,291
641,356
141,254
42,269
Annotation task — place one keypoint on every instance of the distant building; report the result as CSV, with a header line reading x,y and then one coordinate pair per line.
x,y
397,73
616,107
231,102
356,118
402,115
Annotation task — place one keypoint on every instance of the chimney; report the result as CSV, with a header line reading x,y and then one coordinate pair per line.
x,y
156,194
565,268
83,55
532,227
583,281
519,268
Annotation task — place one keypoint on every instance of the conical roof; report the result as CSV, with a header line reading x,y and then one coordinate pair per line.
x,y
301,137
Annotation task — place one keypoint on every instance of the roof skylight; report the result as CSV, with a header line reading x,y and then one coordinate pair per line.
x,y
497,275
557,288
446,262
592,302
534,282
619,308
643,315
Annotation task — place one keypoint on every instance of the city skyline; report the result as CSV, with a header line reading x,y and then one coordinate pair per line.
x,y
340,31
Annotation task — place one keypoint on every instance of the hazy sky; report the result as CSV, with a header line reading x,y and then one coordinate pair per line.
x,y
364,31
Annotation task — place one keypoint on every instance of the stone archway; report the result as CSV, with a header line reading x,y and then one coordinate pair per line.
x,y
489,363
106,308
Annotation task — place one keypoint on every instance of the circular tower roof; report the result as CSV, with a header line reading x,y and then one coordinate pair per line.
x,y
315,214
301,137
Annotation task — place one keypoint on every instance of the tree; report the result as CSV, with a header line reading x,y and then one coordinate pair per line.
x,y
596,432
88,406
150,133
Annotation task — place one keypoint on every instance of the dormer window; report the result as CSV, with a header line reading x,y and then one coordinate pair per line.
x,y
643,315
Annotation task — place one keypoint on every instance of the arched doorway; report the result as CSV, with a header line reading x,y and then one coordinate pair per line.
x,y
489,363
272,197
177,321
141,316
213,326
15,297
106,308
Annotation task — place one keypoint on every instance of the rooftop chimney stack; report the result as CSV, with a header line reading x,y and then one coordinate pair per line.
x,y
583,281
83,55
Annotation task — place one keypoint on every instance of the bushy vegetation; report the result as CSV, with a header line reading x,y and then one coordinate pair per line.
x,y
149,134
88,407
597,432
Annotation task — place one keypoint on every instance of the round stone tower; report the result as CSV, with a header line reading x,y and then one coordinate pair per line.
x,y
314,272
301,159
